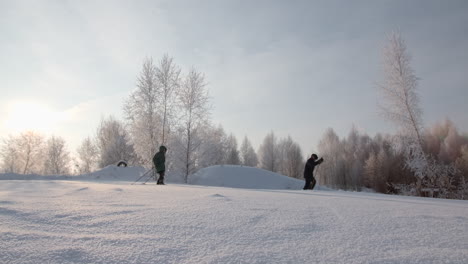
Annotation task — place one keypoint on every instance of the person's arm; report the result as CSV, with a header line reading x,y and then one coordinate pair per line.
x,y
319,161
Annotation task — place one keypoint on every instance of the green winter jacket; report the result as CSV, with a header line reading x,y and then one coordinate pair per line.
x,y
159,159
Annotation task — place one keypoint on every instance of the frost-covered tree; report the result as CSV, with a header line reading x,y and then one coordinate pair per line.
x,y
30,146
113,142
462,161
232,152
142,113
384,161
23,153
376,169
247,154
371,171
291,162
268,153
462,167
194,113
168,82
332,171
57,157
445,146
9,155
443,141
213,148
355,154
399,89
87,156
401,103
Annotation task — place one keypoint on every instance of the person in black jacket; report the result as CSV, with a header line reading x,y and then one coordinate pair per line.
x,y
159,161
309,171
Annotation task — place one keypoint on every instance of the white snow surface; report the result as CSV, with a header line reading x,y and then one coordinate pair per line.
x,y
85,219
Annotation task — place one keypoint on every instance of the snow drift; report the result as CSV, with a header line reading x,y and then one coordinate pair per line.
x,y
244,177
116,173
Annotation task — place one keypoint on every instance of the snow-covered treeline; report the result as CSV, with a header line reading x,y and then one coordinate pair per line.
x,y
281,155
379,162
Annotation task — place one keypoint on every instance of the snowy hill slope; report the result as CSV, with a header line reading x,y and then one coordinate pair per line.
x,y
115,173
115,222
244,177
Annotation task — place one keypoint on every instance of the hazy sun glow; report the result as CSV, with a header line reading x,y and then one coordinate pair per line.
x,y
23,116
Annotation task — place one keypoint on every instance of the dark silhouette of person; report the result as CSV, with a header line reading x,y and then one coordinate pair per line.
x,y
309,171
159,161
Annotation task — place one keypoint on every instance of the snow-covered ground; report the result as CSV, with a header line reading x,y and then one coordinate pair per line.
x,y
107,220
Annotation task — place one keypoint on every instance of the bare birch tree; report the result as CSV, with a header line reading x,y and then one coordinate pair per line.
x,y
113,143
57,157
23,153
291,162
399,89
31,149
268,153
247,154
401,102
213,150
142,114
194,107
332,171
232,156
87,156
10,155
168,82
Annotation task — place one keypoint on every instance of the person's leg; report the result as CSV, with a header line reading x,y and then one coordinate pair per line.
x,y
307,184
313,183
161,177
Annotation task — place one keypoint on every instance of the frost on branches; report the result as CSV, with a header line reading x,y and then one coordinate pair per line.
x,y
401,106
433,178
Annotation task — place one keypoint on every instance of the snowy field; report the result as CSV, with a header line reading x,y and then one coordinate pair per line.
x,y
107,220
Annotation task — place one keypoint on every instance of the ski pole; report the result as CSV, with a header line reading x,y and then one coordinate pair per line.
x,y
149,178
142,176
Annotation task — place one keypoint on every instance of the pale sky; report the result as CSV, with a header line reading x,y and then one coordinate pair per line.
x,y
292,67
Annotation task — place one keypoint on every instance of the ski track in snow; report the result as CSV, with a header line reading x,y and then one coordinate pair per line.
x,y
88,222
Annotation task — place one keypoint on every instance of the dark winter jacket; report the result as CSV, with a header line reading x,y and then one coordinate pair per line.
x,y
309,167
159,159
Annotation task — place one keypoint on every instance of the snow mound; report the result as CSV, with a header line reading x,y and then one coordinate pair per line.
x,y
244,177
116,173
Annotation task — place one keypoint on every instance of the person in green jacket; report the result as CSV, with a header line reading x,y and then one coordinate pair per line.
x,y
159,161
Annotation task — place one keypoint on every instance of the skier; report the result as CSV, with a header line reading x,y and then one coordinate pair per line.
x,y
309,171
159,161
